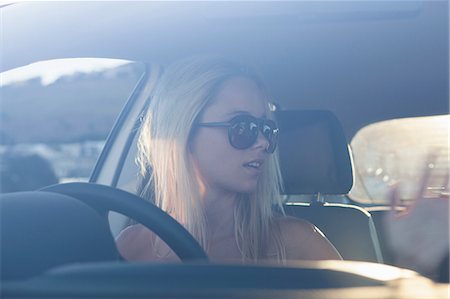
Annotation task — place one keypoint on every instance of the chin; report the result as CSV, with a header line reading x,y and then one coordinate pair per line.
x,y
247,189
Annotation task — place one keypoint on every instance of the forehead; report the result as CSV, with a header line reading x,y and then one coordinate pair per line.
x,y
237,95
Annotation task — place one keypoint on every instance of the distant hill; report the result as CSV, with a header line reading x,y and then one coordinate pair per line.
x,y
75,108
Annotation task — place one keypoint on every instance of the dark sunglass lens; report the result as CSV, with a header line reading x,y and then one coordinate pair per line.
x,y
270,132
267,131
243,132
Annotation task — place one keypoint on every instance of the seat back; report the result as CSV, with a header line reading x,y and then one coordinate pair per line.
x,y
315,160
314,153
349,228
41,230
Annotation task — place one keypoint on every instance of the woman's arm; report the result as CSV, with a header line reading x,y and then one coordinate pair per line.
x,y
135,243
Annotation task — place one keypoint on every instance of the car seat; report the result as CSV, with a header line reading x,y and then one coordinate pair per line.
x,y
42,230
315,161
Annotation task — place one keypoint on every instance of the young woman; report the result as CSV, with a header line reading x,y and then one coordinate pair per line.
x,y
208,144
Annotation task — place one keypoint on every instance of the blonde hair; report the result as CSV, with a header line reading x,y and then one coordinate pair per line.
x,y
184,91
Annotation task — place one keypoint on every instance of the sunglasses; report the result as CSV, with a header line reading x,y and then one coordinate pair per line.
x,y
243,131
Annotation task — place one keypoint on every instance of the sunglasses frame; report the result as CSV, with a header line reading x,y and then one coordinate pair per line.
x,y
259,122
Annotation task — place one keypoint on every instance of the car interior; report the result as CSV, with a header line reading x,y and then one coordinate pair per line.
x,y
56,219
332,69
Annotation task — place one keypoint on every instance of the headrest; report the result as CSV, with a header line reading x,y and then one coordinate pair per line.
x,y
314,154
42,230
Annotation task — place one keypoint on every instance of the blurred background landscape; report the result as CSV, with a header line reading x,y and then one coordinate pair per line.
x,y
60,125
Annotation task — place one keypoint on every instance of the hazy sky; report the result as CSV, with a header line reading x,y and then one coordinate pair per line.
x,y
50,71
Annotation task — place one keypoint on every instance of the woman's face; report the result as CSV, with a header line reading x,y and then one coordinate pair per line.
x,y
223,169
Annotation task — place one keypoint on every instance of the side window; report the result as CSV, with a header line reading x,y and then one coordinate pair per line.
x,y
129,175
55,116
397,151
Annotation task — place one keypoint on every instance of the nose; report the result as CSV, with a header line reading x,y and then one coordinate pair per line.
x,y
261,142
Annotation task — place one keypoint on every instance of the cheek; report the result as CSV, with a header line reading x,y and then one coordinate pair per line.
x,y
219,164
215,158
209,147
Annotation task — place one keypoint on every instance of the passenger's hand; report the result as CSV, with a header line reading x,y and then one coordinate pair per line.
x,y
419,235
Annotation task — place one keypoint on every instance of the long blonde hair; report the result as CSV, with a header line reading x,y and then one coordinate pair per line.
x,y
183,92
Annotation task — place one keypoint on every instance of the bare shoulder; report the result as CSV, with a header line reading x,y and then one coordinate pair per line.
x,y
289,224
134,242
305,241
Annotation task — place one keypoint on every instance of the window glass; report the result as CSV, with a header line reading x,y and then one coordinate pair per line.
x,y
399,151
55,116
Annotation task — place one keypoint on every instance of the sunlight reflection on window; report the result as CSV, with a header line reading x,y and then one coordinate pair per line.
x,y
398,151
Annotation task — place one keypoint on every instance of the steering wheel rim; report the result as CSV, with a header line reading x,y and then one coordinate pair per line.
x,y
105,198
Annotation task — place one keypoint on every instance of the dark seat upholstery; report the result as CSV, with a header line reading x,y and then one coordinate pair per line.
x,y
42,230
315,160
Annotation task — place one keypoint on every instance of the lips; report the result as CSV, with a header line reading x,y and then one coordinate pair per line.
x,y
254,164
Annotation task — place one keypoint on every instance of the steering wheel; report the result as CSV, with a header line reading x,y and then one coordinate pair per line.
x,y
104,199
